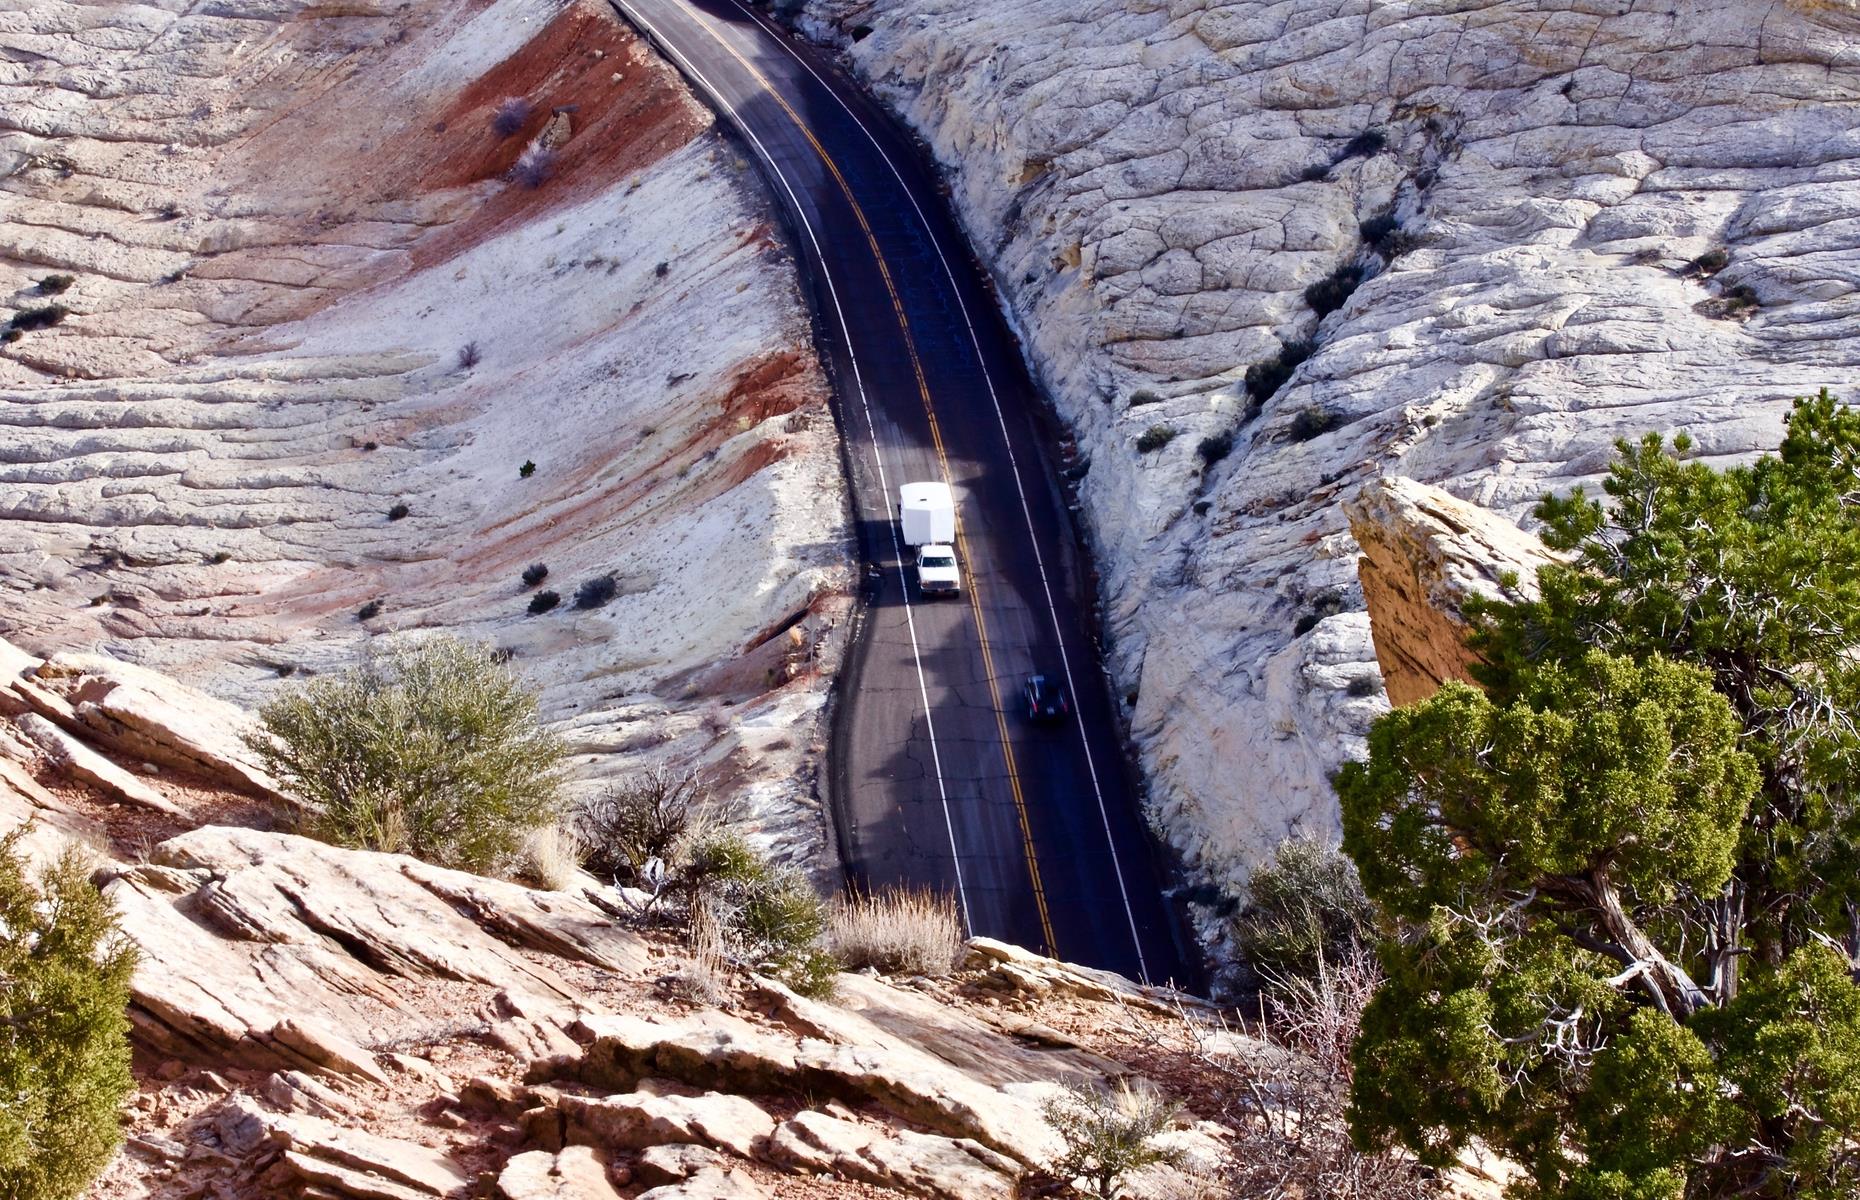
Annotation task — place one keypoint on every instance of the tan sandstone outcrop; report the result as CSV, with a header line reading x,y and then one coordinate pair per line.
x,y
1425,553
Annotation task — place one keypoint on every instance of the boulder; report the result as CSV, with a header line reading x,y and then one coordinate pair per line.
x,y
351,1161
146,715
674,1161
712,1183
899,1160
86,766
576,1173
720,1052
1425,553
636,1120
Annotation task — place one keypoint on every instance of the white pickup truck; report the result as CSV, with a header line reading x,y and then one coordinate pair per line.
x,y
927,513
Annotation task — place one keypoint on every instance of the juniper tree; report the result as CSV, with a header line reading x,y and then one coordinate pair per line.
x,y
64,1039
1623,876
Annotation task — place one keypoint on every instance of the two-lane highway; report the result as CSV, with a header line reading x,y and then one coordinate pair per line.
x,y
939,778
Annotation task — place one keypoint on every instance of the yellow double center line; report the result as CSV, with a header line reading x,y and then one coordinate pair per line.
x,y
936,436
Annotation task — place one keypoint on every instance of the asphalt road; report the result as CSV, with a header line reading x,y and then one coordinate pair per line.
x,y
939,778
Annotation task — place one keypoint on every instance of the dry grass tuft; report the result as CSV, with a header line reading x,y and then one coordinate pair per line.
x,y
898,932
552,857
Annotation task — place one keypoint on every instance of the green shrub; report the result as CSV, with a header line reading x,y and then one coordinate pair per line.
x,y
64,1039
1143,396
54,285
1310,422
398,512
433,750
542,602
770,917
1215,447
40,318
1155,438
593,593
1304,907
1109,1134
1265,378
1328,294
534,574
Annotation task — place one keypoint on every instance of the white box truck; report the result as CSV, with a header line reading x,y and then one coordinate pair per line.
x,y
927,513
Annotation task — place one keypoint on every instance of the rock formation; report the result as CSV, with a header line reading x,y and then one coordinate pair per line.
x,y
1324,241
291,311
1425,553
318,1022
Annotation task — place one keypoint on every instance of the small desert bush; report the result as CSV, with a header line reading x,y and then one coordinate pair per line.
x,y
1155,438
552,856
1310,422
1328,294
770,917
534,167
1265,378
1305,909
1143,396
470,356
1109,1133
534,574
64,1039
1363,145
629,824
593,593
40,318
369,611
510,116
433,749
898,932
53,285
398,512
542,602
1215,447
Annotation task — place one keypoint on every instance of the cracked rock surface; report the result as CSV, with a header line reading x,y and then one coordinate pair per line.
x,y
1325,240
288,320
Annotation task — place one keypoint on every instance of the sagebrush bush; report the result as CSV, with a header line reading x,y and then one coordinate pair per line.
x,y
1330,293
1304,908
542,602
510,116
433,749
53,285
1265,378
534,166
1310,422
534,574
64,1038
771,918
593,593
1155,438
897,931
1109,1133
43,317
1215,447
1143,396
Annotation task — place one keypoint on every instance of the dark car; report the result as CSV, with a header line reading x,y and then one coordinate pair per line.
x,y
1046,700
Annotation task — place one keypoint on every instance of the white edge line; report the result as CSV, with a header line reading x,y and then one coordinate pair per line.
x,y
826,274
1039,563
